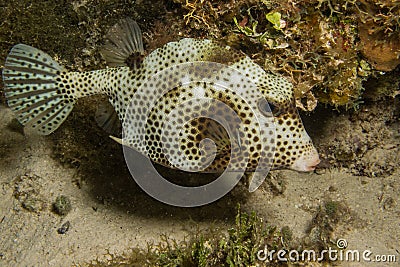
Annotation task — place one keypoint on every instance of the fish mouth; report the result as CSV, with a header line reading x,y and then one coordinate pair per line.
x,y
312,167
306,164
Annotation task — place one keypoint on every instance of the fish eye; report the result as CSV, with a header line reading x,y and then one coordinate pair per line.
x,y
268,109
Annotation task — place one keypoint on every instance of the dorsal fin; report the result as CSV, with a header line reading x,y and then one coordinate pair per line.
x,y
122,41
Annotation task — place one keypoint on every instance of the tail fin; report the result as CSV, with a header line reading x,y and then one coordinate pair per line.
x,y
30,78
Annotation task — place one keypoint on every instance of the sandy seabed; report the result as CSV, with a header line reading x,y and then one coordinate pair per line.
x,y
111,215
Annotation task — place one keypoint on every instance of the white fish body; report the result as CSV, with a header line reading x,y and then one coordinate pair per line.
x,y
42,94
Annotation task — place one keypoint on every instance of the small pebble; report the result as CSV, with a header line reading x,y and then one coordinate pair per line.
x,y
64,228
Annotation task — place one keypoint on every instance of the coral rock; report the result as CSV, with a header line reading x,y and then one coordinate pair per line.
x,y
381,52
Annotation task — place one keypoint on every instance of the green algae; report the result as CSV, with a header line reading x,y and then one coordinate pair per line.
x,y
62,205
214,247
241,244
315,44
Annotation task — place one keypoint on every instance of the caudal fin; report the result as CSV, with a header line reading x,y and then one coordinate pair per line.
x,y
30,78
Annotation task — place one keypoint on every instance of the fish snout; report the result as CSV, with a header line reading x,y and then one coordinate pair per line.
x,y
306,162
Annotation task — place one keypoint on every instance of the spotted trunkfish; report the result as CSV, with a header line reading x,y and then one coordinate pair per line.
x,y
42,93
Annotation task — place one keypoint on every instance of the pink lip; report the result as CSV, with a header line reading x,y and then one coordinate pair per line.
x,y
312,167
306,164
